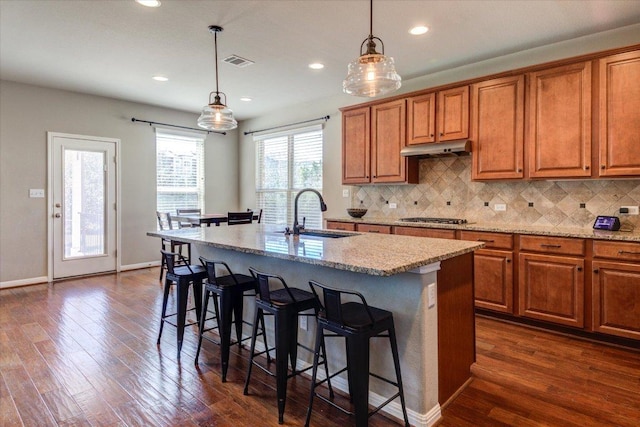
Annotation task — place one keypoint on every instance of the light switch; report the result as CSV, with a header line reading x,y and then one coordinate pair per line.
x,y
36,192
345,192
500,207
431,294
392,206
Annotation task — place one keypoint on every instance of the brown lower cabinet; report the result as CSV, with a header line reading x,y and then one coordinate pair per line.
x,y
543,277
552,289
616,288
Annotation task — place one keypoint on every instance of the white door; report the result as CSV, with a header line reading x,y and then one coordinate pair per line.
x,y
82,204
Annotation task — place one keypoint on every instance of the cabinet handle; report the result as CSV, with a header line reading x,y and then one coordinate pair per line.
x,y
508,260
374,231
586,168
441,133
340,228
579,268
486,240
431,135
544,245
628,253
596,271
519,170
602,167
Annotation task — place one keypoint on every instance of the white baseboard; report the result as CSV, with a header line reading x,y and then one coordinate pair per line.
x,y
23,282
140,265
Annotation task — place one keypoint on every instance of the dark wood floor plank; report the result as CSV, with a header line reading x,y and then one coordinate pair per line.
x,y
89,358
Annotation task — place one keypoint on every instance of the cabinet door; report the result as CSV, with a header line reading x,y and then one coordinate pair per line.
x,y
493,280
497,128
552,289
453,114
373,228
425,232
387,139
620,115
421,119
616,299
559,125
337,225
355,146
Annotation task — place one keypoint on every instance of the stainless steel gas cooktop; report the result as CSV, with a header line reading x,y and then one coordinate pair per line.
x,y
435,220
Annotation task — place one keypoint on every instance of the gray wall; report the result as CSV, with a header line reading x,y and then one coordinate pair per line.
x,y
27,113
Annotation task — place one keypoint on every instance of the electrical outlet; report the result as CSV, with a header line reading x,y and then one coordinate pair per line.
x,y
303,322
500,207
393,205
431,294
631,210
36,192
345,192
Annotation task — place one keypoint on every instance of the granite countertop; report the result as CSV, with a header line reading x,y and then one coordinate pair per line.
x,y
585,233
368,253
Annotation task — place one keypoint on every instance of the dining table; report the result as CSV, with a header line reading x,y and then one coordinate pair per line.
x,y
208,219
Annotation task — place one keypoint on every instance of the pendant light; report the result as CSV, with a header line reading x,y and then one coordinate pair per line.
x,y
216,115
372,73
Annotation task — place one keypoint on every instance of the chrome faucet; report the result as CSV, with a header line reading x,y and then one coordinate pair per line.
x,y
323,207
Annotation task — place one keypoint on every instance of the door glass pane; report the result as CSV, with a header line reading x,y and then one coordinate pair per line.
x,y
84,216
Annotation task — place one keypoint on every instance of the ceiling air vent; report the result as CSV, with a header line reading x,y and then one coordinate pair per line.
x,y
238,61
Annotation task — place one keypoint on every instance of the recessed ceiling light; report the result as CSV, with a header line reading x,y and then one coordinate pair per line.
x,y
246,99
149,3
316,66
160,78
416,31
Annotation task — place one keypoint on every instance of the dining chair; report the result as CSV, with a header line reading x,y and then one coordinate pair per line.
x,y
235,218
188,211
166,223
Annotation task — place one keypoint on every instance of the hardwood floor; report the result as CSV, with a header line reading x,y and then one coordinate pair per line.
x,y
83,352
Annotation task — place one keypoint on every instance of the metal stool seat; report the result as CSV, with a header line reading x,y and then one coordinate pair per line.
x,y
183,276
285,304
230,288
357,322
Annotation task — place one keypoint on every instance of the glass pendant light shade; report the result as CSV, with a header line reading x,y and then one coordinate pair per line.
x,y
371,75
216,115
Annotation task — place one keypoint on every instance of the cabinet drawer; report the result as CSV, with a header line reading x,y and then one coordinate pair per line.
x,y
437,233
337,225
492,240
616,250
553,245
373,228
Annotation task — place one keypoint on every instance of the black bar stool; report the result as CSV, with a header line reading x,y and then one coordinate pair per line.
x,y
357,322
183,276
230,288
285,304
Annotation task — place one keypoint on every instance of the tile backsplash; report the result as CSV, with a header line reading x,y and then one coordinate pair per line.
x,y
445,189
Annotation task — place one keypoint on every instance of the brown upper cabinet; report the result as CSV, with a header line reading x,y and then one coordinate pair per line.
x,y
371,143
421,119
559,122
356,125
446,119
619,115
497,128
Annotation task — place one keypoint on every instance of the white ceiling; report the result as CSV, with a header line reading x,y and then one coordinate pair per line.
x,y
113,47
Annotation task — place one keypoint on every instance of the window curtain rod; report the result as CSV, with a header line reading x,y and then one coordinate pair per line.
x,y
325,118
133,119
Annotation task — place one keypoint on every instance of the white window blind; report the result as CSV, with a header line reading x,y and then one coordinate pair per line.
x,y
180,171
287,162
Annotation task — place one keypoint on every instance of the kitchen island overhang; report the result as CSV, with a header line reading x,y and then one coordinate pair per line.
x,y
393,272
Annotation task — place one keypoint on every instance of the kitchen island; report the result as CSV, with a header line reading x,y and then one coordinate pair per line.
x,y
426,283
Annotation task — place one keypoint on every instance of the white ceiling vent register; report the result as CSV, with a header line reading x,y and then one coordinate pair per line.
x,y
238,61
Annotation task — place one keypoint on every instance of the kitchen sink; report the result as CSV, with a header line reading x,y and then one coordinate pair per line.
x,y
328,234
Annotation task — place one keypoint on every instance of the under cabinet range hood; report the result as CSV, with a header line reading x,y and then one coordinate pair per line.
x,y
439,149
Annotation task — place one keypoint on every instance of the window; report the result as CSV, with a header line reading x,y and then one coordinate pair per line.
x,y
179,171
287,162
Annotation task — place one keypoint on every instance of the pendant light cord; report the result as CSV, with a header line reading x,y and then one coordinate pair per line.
x,y
371,19
215,41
